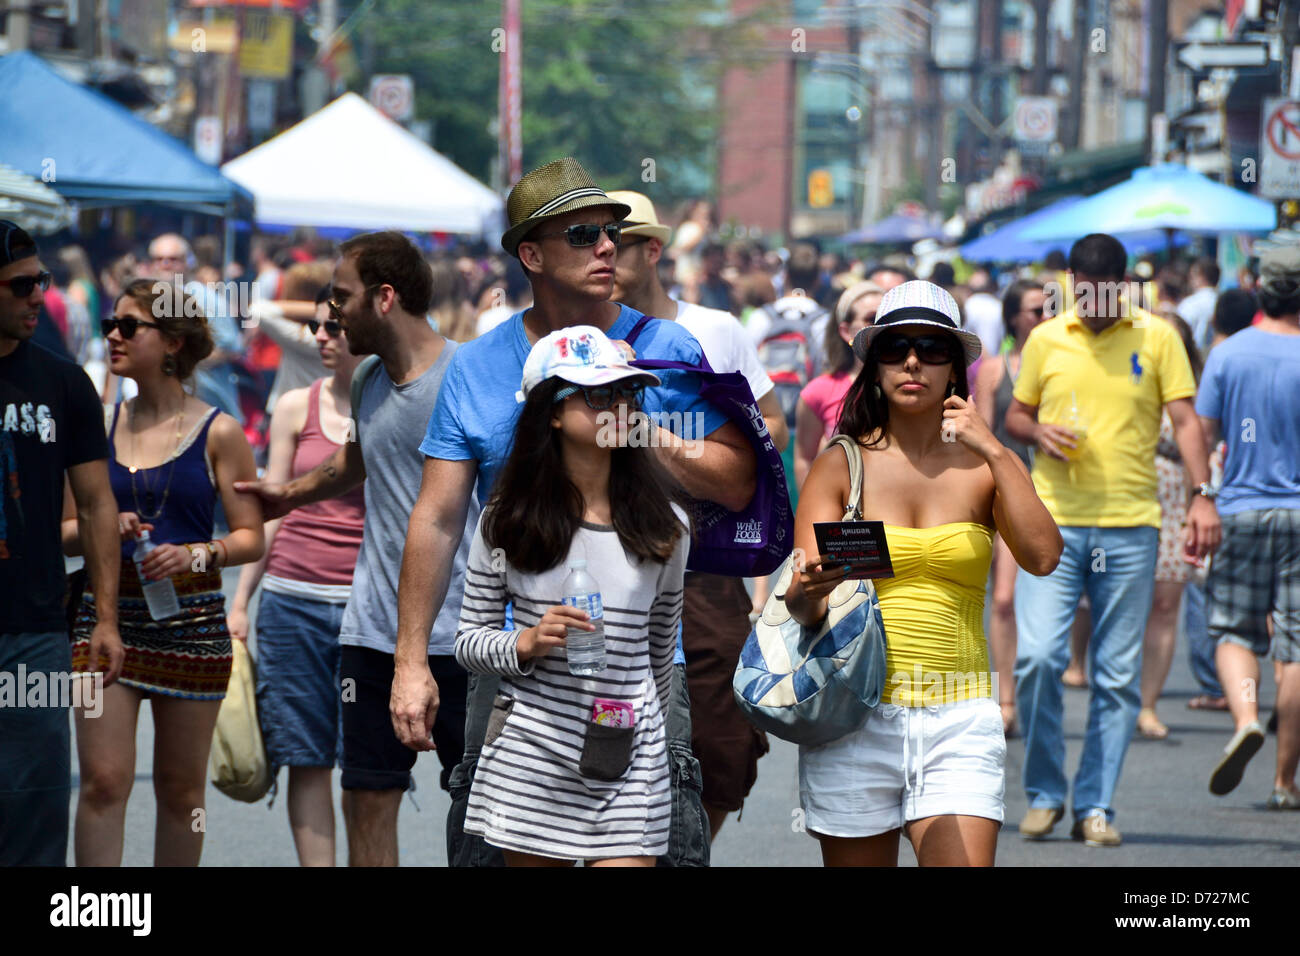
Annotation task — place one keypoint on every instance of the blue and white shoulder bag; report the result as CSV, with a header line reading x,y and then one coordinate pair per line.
x,y
813,686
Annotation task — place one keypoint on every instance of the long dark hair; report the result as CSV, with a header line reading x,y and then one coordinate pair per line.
x,y
865,414
535,510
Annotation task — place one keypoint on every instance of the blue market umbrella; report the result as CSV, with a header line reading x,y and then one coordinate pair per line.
x,y
1168,197
1008,243
900,227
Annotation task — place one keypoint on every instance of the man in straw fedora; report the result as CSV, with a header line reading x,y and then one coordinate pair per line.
x,y
565,231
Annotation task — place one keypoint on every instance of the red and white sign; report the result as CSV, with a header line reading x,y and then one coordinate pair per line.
x,y
1279,149
207,139
1035,119
393,94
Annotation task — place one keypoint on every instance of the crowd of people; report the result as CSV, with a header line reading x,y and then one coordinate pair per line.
x,y
406,452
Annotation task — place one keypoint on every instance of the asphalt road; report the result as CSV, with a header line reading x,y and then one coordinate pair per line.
x,y
1164,809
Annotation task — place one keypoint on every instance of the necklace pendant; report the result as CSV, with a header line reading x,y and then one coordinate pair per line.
x,y
132,469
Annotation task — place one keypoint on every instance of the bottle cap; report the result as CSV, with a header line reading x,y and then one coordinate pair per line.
x,y
142,535
578,564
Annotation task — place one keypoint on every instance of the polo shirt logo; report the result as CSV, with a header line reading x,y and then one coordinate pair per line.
x,y
1135,369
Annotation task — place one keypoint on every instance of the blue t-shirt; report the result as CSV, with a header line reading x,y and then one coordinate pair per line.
x,y
476,411
1250,385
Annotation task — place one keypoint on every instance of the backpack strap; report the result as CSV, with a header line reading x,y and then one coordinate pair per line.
x,y
854,511
359,378
637,329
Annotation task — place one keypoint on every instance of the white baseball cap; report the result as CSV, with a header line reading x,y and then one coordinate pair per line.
x,y
581,355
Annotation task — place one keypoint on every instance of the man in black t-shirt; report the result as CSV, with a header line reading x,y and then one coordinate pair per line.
x,y
51,424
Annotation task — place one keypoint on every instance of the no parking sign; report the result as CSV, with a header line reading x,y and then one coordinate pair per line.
x,y
1279,149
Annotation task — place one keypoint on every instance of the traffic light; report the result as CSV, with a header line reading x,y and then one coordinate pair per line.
x,y
821,190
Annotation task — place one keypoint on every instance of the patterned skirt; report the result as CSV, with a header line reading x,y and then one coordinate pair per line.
x,y
187,656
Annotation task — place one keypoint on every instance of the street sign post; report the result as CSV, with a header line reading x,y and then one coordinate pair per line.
x,y
1242,55
1279,149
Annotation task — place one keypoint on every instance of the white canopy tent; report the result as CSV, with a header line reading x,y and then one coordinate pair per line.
x,y
33,205
349,166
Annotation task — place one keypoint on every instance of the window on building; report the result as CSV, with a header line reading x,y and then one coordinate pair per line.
x,y
829,120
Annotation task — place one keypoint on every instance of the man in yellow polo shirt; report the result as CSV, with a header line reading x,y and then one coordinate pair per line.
x,y
1093,382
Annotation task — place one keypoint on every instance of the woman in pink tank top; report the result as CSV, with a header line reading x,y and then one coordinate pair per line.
x,y
306,580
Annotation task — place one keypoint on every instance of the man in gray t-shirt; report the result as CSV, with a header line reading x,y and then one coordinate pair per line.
x,y
382,288
389,415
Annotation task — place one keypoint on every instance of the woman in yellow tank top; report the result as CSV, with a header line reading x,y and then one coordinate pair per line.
x,y
929,761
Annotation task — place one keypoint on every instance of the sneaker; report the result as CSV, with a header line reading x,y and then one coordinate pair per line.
x,y
1244,744
1038,822
1096,830
1281,799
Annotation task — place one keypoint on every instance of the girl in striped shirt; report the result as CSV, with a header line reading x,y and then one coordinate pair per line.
x,y
553,785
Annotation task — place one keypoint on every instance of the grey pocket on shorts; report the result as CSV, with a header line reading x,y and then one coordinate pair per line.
x,y
606,752
501,707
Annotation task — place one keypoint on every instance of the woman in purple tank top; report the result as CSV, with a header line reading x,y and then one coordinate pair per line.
x,y
306,581
170,456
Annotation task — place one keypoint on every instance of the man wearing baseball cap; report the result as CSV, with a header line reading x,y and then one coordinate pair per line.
x,y
51,425
565,231
715,615
1248,393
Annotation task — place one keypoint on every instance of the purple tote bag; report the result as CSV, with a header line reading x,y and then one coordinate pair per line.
x,y
753,542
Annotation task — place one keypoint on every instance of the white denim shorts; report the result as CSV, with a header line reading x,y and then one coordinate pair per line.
x,y
904,764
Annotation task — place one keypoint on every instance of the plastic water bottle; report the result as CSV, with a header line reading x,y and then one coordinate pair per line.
x,y
159,595
586,649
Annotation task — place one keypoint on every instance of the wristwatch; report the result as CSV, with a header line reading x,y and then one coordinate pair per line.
x,y
1206,490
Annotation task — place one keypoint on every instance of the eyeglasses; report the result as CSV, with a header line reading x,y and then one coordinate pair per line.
x,y
332,328
587,234
22,286
126,324
930,349
337,311
601,397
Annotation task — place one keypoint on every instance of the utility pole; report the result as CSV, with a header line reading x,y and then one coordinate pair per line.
x,y
932,115
1079,40
1042,12
18,25
1159,38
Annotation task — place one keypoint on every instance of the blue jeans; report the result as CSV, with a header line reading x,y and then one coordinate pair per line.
x,y
1200,647
35,757
1117,567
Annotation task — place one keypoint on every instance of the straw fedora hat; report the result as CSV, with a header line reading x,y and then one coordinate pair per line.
x,y
641,220
918,303
552,190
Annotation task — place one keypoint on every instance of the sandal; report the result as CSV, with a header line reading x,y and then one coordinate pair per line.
x,y
1074,678
1207,702
1149,725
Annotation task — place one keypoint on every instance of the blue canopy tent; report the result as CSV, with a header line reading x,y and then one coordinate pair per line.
x,y
1168,197
1008,243
898,228
95,152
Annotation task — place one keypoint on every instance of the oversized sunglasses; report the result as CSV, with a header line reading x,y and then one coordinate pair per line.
x,y
126,324
22,286
893,347
587,234
332,328
601,397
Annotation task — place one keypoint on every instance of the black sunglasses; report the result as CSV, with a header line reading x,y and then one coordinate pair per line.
x,y
587,234
893,347
126,324
332,328
22,286
601,397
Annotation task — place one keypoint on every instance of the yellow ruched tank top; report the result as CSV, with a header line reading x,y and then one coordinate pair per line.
x,y
933,610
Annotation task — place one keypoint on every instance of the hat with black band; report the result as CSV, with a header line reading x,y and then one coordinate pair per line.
x,y
918,303
549,191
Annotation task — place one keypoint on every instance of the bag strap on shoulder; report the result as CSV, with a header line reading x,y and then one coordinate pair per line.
x,y
854,511
362,374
